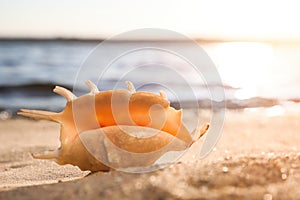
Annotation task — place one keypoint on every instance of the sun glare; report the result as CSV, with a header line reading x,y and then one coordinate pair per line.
x,y
243,65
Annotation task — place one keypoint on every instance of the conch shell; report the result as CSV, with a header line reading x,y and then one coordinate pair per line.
x,y
115,129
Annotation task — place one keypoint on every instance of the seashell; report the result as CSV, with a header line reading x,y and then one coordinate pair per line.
x,y
115,129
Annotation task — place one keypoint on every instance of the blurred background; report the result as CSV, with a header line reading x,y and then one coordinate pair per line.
x,y
255,46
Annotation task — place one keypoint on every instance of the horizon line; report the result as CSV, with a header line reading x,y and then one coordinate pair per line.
x,y
94,39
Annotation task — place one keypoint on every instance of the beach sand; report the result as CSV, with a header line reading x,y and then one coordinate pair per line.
x,y
257,157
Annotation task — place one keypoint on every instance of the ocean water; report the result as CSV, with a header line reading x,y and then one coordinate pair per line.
x,y
253,74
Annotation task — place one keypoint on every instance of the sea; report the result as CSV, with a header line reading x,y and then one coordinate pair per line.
x,y
250,74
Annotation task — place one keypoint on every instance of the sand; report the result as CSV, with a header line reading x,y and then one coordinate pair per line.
x,y
257,157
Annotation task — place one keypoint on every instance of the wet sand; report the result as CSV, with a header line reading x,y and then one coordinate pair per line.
x,y
257,157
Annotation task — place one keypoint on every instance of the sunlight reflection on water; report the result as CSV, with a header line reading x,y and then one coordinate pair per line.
x,y
244,64
258,69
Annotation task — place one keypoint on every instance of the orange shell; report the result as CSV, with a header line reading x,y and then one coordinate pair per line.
x,y
99,114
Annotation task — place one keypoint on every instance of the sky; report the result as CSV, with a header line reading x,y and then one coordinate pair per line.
x,y
208,19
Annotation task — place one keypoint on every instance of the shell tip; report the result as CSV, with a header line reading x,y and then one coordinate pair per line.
x,y
64,92
37,114
130,87
199,132
52,154
162,94
93,88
